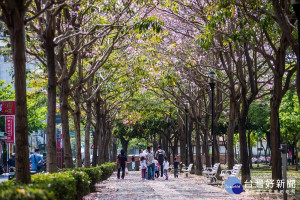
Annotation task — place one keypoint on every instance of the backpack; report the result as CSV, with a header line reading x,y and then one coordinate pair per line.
x,y
161,156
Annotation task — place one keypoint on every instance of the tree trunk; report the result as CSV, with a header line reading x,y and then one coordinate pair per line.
x,y
107,142
298,80
175,148
87,157
155,145
250,150
105,137
216,145
114,151
95,150
296,151
77,115
15,12
190,146
166,146
230,132
51,105
205,142
243,146
101,135
124,144
275,140
64,105
199,166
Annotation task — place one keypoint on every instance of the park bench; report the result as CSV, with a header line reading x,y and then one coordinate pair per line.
x,y
187,170
211,172
234,172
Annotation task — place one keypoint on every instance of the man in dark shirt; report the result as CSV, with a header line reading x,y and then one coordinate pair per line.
x,y
175,163
11,160
121,163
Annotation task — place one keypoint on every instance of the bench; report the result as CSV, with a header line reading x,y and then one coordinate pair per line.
x,y
187,170
234,172
211,172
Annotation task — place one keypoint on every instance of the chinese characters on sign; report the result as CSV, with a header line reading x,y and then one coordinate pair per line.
x,y
269,183
10,129
7,108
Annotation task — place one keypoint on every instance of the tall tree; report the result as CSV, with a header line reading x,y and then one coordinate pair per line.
x,y
13,15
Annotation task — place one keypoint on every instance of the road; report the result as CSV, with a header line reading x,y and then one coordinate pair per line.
x,y
133,187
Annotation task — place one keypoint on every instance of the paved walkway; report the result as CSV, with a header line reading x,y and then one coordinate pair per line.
x,y
133,187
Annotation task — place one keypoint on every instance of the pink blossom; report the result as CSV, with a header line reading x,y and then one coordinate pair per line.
x,y
73,13
178,42
126,121
166,40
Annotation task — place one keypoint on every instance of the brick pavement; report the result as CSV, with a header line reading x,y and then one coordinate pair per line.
x,y
133,187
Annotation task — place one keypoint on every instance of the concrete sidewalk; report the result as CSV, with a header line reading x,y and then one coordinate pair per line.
x,y
133,187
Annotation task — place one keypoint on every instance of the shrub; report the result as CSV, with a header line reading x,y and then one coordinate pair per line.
x,y
19,192
7,184
63,185
94,174
107,169
83,182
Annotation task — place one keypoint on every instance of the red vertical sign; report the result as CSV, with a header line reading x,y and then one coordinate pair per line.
x,y
10,129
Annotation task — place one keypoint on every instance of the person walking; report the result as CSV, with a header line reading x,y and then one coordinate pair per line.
x,y
142,155
150,163
121,163
175,164
166,167
289,157
36,160
143,167
133,163
160,155
156,168
11,161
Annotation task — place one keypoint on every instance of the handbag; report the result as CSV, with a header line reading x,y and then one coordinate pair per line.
x,y
118,165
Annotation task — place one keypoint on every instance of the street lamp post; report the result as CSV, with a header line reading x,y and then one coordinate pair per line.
x,y
186,103
212,77
283,151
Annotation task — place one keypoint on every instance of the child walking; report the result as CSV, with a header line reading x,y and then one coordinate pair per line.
x,y
175,164
157,169
143,167
166,167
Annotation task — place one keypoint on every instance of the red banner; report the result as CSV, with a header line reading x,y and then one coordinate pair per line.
x,y
10,129
58,144
7,108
